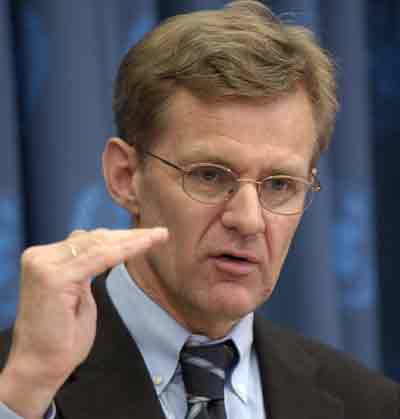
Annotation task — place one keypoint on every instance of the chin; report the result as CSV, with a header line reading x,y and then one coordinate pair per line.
x,y
236,304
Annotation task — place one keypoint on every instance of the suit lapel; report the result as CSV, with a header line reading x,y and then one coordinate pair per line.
x,y
289,378
113,382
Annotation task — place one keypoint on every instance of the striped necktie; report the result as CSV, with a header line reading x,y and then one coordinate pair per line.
x,y
204,370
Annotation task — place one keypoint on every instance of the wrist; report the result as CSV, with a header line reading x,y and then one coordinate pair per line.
x,y
28,396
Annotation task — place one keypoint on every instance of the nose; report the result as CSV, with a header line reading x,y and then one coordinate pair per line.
x,y
243,212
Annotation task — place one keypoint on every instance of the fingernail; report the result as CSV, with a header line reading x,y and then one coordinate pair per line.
x,y
160,232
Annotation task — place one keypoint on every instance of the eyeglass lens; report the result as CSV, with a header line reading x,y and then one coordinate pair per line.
x,y
212,185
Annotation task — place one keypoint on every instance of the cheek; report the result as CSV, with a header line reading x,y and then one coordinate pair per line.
x,y
187,222
280,234
151,213
190,232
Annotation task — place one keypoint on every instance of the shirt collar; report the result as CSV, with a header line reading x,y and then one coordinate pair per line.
x,y
242,335
160,338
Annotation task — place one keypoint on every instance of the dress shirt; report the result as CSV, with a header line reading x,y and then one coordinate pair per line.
x,y
160,339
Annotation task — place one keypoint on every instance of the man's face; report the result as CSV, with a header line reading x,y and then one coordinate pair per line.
x,y
188,276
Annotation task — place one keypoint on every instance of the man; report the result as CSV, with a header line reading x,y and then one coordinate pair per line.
x,y
221,118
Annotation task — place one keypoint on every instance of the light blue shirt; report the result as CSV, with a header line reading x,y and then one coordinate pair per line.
x,y
160,339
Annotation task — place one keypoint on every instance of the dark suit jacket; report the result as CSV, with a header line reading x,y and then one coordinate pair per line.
x,y
301,379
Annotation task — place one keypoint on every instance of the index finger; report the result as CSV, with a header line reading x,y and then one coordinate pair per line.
x,y
81,241
96,254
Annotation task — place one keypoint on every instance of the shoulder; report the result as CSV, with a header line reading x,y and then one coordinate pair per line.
x,y
334,371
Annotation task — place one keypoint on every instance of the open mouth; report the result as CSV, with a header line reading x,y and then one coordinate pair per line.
x,y
234,265
233,258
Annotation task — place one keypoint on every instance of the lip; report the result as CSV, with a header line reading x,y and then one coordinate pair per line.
x,y
249,256
234,267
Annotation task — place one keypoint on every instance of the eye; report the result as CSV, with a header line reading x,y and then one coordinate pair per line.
x,y
281,184
280,187
210,175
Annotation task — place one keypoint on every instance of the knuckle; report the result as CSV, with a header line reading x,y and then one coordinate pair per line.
x,y
30,256
100,236
97,244
100,230
34,267
77,232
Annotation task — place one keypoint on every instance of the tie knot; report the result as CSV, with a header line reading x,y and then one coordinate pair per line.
x,y
205,368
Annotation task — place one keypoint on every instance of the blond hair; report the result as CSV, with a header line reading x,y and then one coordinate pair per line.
x,y
242,51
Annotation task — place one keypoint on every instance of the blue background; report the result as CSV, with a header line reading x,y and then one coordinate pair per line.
x,y
57,63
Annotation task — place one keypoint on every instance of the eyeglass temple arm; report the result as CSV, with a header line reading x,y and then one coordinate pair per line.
x,y
164,161
316,183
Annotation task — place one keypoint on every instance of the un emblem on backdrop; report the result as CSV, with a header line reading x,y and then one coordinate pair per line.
x,y
93,208
355,264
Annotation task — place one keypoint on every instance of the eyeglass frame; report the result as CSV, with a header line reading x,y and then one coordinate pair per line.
x,y
314,185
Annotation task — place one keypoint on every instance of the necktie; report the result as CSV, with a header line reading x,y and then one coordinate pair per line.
x,y
204,370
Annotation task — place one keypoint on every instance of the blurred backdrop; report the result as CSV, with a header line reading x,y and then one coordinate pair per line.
x,y
57,63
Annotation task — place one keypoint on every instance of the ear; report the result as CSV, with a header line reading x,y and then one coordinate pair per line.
x,y
120,171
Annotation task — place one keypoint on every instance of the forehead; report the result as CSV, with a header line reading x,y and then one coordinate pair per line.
x,y
241,133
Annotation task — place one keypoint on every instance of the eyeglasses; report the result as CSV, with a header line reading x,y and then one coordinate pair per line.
x,y
212,184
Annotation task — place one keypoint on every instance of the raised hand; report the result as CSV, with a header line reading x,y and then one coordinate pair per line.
x,y
56,319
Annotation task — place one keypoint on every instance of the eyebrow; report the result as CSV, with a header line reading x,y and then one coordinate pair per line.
x,y
197,155
200,155
289,168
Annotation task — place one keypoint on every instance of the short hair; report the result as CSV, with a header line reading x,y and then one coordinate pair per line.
x,y
241,51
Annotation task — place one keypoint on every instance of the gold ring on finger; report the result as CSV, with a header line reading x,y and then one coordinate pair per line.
x,y
74,252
